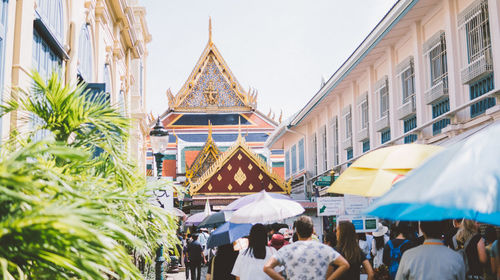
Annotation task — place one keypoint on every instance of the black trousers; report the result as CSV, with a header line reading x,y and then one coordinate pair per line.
x,y
187,268
195,271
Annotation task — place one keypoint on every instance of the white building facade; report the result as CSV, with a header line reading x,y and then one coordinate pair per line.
x,y
429,73
101,42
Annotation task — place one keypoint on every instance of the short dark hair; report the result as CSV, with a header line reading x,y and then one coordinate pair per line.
x,y
304,226
194,236
432,229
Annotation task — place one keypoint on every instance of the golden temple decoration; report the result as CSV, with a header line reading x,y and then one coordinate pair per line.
x,y
210,29
210,187
205,158
240,176
229,167
211,93
240,157
250,166
229,187
270,186
250,187
219,177
222,87
260,176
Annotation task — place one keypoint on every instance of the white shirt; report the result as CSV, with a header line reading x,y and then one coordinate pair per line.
x,y
249,268
378,254
306,260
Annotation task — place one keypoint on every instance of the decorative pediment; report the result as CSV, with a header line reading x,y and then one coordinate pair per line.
x,y
204,160
212,87
239,171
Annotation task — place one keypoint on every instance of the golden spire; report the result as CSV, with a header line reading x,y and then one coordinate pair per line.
x,y
210,29
209,130
239,128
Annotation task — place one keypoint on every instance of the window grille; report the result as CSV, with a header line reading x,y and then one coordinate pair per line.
x,y
477,89
315,154
366,146
476,39
437,110
324,148
85,55
349,154
348,124
407,76
383,95
408,125
363,110
385,136
335,140
293,157
287,164
301,154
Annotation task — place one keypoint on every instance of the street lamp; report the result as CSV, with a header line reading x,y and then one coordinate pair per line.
x,y
159,141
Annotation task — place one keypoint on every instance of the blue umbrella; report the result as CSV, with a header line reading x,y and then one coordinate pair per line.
x,y
242,201
462,181
227,234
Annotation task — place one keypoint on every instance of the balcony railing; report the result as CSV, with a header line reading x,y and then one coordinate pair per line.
x,y
362,134
479,67
437,92
382,123
407,109
347,143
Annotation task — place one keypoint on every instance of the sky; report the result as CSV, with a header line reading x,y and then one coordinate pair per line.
x,y
282,48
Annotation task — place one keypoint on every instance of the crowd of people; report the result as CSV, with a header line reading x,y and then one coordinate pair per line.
x,y
426,250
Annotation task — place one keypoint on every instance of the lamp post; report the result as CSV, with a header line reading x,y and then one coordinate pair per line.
x,y
159,141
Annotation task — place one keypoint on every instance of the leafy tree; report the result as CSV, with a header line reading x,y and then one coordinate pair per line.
x,y
65,210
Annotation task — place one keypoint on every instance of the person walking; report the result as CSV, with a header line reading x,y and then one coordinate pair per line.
x,y
185,256
471,242
392,250
306,259
379,240
250,262
221,265
195,257
432,259
348,247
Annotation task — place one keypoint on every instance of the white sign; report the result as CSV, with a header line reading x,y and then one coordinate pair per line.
x,y
330,206
355,204
361,223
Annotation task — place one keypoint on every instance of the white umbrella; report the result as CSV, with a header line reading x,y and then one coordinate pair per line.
x,y
177,212
266,209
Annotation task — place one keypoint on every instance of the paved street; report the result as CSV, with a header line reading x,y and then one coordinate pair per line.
x,y
182,276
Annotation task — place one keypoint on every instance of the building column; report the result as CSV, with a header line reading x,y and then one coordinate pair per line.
x,y
23,44
354,120
393,120
455,86
372,108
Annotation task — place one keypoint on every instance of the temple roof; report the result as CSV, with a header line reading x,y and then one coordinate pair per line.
x,y
204,160
211,86
238,171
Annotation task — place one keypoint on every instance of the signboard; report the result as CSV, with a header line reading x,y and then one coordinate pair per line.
x,y
355,204
330,206
361,223
323,181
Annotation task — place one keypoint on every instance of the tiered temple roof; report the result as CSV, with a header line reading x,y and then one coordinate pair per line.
x,y
239,171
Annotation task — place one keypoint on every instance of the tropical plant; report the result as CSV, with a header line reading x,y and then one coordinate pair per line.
x,y
74,206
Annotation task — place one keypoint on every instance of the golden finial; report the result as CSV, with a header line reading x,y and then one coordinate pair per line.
x,y
239,127
210,29
209,130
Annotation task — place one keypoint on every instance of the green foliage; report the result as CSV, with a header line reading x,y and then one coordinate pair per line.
x,y
65,212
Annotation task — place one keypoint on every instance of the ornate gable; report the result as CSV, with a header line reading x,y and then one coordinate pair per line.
x,y
204,160
239,171
211,86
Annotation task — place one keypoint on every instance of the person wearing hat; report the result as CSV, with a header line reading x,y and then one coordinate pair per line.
x,y
379,239
277,241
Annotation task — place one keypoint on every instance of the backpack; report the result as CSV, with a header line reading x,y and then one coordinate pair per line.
x,y
462,253
395,258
